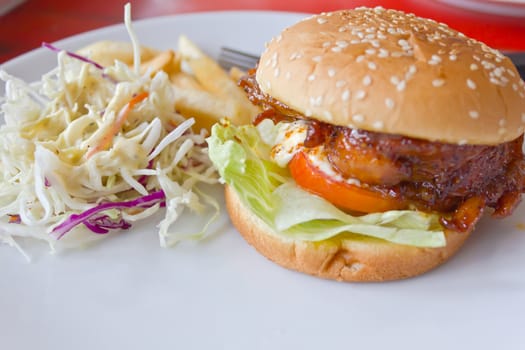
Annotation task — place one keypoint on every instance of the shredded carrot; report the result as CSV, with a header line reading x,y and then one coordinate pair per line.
x,y
14,218
106,140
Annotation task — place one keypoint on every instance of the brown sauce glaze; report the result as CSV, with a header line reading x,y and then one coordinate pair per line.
x,y
460,180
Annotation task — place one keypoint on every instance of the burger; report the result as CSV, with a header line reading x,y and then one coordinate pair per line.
x,y
384,138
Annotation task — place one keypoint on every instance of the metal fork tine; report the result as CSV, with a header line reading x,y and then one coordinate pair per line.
x,y
229,58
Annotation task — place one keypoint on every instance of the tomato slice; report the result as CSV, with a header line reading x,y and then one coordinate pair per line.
x,y
339,193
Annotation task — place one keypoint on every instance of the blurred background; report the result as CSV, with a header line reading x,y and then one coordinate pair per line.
x,y
25,24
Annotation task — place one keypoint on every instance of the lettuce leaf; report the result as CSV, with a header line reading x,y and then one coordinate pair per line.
x,y
241,154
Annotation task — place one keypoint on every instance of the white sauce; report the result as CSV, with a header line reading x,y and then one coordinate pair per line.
x,y
290,139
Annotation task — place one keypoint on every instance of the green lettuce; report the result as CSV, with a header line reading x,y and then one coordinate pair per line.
x,y
241,155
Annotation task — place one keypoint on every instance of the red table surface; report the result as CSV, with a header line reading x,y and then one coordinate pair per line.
x,y
35,21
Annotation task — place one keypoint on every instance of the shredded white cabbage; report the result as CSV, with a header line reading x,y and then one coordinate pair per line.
x,y
47,172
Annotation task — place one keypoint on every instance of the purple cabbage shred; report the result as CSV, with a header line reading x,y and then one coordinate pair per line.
x,y
100,223
72,54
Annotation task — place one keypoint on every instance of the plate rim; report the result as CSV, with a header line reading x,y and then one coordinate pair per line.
x,y
139,22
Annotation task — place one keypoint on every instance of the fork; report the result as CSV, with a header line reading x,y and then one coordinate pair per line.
x,y
229,58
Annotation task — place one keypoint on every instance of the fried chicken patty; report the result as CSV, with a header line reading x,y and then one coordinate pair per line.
x,y
432,176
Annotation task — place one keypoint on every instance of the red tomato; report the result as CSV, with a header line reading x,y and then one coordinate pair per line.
x,y
339,193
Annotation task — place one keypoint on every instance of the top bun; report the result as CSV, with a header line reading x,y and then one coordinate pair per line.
x,y
387,71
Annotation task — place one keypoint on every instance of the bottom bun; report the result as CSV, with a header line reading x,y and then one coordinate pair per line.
x,y
345,258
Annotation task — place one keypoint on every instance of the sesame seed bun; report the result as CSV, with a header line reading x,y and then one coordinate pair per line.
x,y
349,258
391,72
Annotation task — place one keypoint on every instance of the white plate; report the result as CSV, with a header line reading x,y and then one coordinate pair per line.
x,y
127,293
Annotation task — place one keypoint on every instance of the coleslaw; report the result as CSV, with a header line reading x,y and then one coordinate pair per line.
x,y
87,150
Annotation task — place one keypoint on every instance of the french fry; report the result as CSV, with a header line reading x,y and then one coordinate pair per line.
x,y
185,81
236,74
165,61
214,79
202,105
106,52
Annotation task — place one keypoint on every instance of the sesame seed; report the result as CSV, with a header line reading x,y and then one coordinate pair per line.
x,y
370,51
360,94
276,72
340,83
342,43
401,86
359,58
438,82
511,73
394,80
321,20
502,122
336,49
331,72
345,96
316,101
358,118
515,87
471,84
402,42
452,57
412,69
462,142
378,124
326,44
488,65
317,59
473,66
311,77
382,53
367,80
434,60
389,103
473,114
498,71
372,66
